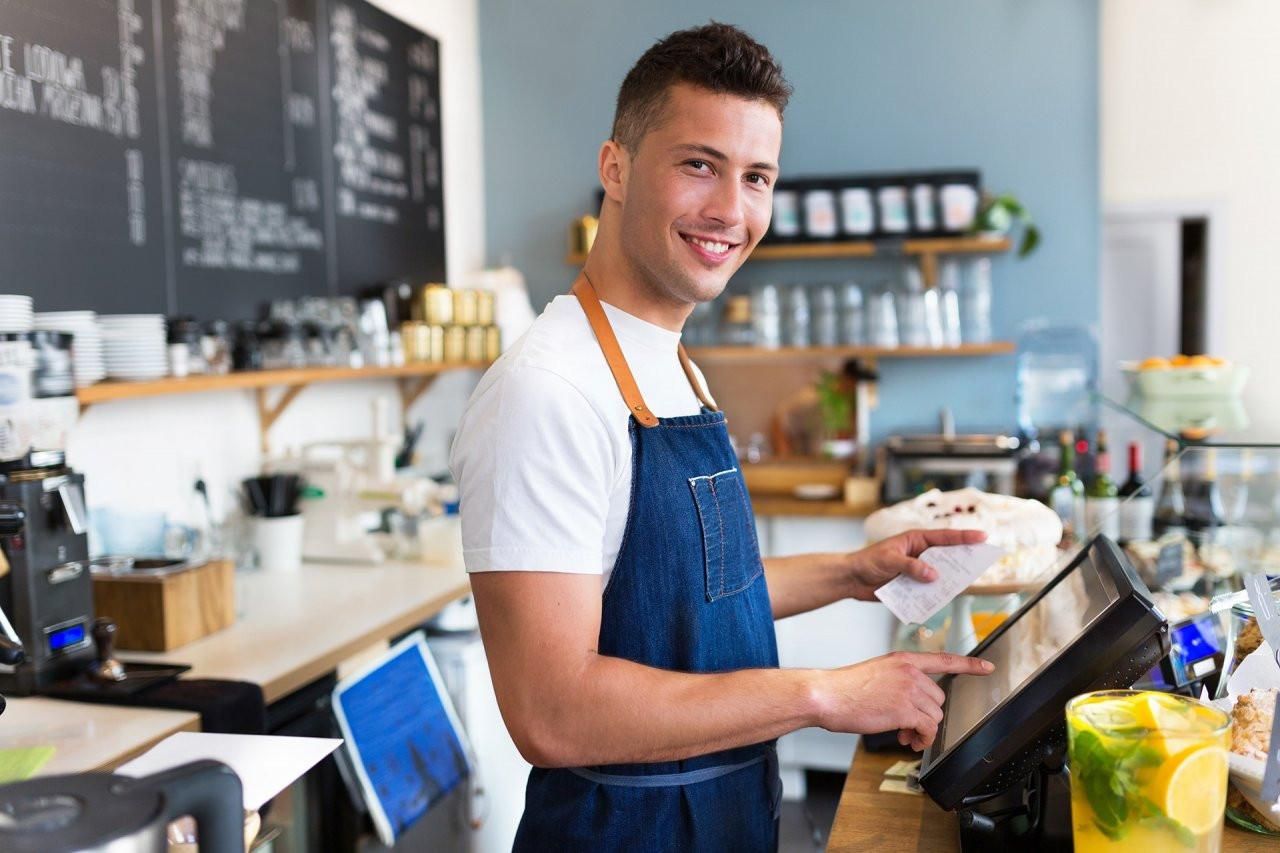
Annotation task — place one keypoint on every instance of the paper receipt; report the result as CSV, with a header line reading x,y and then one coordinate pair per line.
x,y
958,566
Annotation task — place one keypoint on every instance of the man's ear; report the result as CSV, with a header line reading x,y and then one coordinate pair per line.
x,y
615,168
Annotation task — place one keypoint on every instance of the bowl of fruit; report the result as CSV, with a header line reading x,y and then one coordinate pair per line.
x,y
1187,377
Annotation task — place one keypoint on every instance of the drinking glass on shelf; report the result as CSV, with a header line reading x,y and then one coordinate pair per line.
x,y
975,302
766,314
949,302
853,331
826,317
797,320
912,320
735,323
933,330
882,319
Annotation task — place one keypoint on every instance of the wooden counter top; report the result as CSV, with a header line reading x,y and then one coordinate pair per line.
x,y
870,819
293,627
87,736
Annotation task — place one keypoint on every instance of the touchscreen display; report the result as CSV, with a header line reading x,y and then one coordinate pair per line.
x,y
1058,618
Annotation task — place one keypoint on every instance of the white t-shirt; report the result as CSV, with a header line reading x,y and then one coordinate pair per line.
x,y
542,457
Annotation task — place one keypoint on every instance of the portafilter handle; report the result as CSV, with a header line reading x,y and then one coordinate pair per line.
x,y
104,638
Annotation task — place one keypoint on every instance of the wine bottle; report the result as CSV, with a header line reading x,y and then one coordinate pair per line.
x,y
1171,506
1101,498
1137,503
1206,512
1067,496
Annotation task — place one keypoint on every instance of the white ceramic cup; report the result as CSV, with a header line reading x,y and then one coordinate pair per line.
x,y
277,542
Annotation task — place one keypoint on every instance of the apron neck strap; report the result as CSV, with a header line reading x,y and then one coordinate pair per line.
x,y
612,350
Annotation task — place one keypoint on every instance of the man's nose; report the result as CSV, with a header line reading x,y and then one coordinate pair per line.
x,y
724,205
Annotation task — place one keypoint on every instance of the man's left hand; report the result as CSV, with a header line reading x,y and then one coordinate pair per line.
x,y
876,565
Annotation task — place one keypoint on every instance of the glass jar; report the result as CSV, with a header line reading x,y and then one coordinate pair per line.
x,y
1243,638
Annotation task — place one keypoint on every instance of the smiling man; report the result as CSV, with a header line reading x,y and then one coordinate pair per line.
x,y
625,609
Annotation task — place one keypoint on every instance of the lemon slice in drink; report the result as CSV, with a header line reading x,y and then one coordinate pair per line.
x,y
1191,788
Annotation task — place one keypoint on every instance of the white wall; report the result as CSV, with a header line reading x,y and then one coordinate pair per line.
x,y
1190,118
144,454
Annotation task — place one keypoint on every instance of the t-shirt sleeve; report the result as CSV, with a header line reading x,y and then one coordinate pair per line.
x,y
535,465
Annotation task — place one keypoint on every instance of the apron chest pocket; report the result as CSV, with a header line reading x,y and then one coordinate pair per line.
x,y
730,552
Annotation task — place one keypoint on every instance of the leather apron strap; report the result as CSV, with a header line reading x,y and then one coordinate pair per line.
x,y
599,321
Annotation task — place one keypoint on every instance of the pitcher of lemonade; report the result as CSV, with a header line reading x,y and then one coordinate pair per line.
x,y
1148,772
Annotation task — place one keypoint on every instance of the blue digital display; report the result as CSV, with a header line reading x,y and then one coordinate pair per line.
x,y
1194,647
64,638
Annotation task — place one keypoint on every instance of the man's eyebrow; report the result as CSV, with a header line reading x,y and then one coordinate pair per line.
x,y
708,151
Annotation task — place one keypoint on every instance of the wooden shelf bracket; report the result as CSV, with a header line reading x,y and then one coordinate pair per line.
x,y
269,413
413,388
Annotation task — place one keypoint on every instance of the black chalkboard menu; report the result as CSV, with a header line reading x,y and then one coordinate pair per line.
x,y
204,156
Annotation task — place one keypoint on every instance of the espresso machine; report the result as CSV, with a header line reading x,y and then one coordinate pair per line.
x,y
46,590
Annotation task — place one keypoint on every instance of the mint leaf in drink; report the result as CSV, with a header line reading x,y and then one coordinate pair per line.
x,y
1106,791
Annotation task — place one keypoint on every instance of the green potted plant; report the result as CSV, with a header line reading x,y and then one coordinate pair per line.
x,y
835,406
999,215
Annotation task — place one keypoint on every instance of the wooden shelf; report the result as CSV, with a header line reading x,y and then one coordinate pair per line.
x,y
923,247
251,379
744,354
780,505
413,379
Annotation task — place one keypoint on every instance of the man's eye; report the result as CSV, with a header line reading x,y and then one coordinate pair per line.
x,y
759,179
698,164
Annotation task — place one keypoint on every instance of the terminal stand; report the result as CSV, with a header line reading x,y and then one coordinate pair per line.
x,y
1034,817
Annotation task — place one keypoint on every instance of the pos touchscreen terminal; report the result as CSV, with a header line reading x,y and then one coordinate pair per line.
x,y
1000,748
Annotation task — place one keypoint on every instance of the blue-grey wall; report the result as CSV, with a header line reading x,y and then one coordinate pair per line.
x,y
1008,86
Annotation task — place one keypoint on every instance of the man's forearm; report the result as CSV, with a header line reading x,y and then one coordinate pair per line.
x,y
617,712
806,582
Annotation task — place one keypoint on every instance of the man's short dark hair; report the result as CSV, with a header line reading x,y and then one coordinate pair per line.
x,y
718,57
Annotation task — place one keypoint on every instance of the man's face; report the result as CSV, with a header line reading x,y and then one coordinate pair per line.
x,y
699,192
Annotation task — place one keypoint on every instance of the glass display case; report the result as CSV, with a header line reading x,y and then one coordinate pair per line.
x,y
1203,510
1198,515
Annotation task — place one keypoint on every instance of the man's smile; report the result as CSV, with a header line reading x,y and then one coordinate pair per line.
x,y
712,249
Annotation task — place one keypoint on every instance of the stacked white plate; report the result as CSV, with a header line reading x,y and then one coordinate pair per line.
x,y
86,348
15,313
134,346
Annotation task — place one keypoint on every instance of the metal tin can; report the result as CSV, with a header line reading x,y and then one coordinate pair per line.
x,y
434,305
484,307
475,343
492,343
435,344
455,344
466,307
410,339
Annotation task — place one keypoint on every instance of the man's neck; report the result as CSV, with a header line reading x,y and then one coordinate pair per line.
x,y
618,283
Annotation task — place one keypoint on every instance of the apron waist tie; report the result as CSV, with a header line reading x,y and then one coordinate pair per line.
x,y
692,777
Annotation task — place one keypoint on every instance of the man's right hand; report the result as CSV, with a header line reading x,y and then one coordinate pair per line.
x,y
892,692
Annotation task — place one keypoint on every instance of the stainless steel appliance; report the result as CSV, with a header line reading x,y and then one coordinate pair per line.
x,y
914,464
106,812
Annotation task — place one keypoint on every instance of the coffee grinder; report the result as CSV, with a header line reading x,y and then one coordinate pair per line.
x,y
45,586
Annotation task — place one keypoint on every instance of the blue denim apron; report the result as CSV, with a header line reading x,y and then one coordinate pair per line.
x,y
687,593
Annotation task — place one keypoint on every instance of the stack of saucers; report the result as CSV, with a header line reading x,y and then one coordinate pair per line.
x,y
15,313
134,346
86,347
